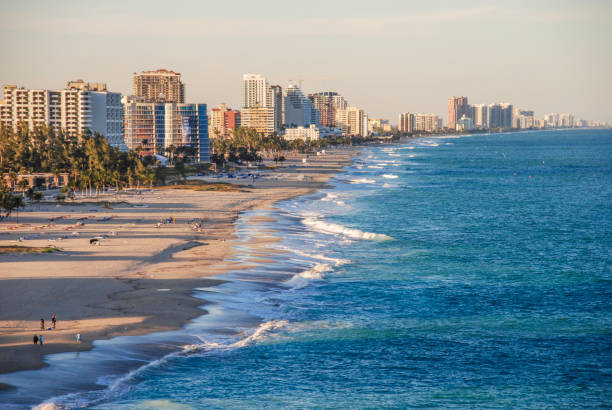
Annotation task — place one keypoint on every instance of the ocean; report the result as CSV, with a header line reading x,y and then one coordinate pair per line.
x,y
461,271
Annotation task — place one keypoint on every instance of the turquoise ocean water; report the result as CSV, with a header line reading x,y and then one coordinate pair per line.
x,y
469,271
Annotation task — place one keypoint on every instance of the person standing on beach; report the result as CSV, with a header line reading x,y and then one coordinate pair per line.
x,y
41,339
42,324
78,338
53,320
35,339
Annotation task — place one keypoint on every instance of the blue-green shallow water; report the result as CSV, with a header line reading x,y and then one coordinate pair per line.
x,y
493,290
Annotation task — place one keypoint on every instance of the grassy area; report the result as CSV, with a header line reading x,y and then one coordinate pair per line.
x,y
196,185
28,249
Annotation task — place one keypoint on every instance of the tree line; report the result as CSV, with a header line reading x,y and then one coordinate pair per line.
x,y
91,162
246,144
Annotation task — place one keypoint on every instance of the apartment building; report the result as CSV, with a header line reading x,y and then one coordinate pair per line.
x,y
80,107
159,86
352,121
262,104
151,128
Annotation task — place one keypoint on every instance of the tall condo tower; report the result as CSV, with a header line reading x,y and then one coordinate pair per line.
x,y
262,104
159,86
457,108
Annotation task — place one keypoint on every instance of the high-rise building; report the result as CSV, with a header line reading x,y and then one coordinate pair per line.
x,y
262,104
495,116
405,122
480,116
507,112
159,86
427,122
457,107
566,120
80,107
222,121
275,100
298,109
525,119
150,128
352,121
255,90
552,120
326,103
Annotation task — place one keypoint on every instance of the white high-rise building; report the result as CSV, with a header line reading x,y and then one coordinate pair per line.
x,y
298,109
255,89
74,110
481,116
262,104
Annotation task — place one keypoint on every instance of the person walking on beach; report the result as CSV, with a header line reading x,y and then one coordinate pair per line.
x,y
42,324
41,340
35,339
78,338
53,320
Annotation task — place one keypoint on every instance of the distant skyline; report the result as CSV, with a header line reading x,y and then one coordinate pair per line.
x,y
383,56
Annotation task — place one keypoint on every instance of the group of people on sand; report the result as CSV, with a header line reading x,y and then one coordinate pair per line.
x,y
53,321
161,222
40,339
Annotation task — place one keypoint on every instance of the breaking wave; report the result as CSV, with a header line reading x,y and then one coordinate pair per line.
x,y
335,229
304,278
362,181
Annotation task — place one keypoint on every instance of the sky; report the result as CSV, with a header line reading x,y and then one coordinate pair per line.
x,y
384,56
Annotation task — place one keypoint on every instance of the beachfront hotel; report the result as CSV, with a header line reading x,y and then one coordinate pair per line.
x,y
151,128
457,108
427,122
262,104
159,86
405,122
81,106
352,121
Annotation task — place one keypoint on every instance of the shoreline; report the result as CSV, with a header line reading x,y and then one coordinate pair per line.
x,y
134,295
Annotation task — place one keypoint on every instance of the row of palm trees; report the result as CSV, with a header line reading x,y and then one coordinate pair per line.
x,y
91,162
246,144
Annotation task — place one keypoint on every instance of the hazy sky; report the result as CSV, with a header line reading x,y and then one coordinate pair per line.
x,y
385,56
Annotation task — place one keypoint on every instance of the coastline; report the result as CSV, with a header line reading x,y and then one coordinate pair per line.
x,y
141,279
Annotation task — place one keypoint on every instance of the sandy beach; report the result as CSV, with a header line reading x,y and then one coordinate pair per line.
x,y
156,246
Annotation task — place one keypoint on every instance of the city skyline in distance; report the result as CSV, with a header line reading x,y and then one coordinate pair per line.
x,y
385,58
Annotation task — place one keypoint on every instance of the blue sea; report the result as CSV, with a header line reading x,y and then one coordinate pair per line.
x,y
464,271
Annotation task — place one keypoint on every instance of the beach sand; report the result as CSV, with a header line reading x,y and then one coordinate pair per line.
x,y
141,277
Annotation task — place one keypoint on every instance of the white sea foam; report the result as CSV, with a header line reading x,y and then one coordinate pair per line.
x,y
330,228
335,261
303,279
390,176
261,333
374,166
329,197
362,181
